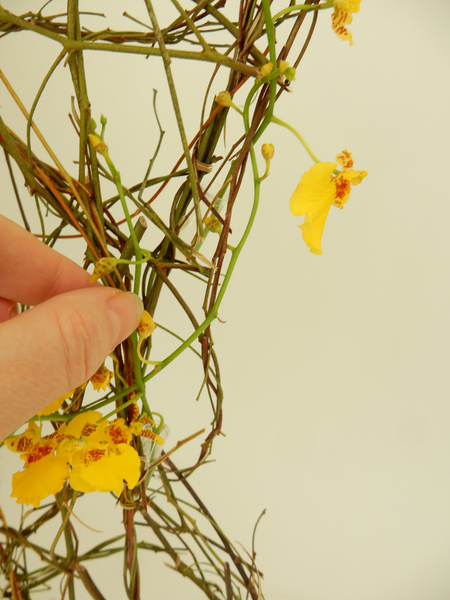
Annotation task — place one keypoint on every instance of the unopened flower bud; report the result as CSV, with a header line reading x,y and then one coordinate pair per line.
x,y
266,69
286,70
146,327
223,98
98,144
102,267
213,224
267,150
290,74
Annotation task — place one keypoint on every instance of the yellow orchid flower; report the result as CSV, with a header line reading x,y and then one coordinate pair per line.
x,y
40,479
98,468
343,16
317,191
101,457
44,473
99,453
93,456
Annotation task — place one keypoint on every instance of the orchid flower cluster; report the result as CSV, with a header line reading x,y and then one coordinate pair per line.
x,y
88,452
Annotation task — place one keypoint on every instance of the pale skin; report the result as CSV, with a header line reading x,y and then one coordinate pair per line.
x,y
57,345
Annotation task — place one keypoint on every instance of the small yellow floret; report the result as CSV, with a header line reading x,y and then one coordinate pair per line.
x,y
213,224
266,69
286,70
223,98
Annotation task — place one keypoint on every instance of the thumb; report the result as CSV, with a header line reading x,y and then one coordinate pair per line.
x,y
56,346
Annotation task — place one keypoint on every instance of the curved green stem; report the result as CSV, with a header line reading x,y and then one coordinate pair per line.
x,y
302,7
137,276
223,288
124,261
297,135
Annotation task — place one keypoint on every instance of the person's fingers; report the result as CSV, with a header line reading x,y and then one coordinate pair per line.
x,y
49,350
8,309
30,271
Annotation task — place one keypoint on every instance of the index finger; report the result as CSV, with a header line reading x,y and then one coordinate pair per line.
x,y
30,271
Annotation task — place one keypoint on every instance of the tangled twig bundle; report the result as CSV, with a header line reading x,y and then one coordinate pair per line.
x,y
245,45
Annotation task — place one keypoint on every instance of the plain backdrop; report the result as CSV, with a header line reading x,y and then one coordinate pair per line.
x,y
335,367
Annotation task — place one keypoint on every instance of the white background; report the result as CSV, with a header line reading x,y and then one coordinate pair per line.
x,y
335,367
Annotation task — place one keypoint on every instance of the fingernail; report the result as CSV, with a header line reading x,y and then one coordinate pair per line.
x,y
125,312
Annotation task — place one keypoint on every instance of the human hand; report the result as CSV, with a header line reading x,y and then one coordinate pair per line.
x,y
56,346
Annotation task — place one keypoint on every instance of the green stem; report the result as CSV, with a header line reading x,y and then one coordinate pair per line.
x,y
73,45
270,32
177,111
223,288
192,26
137,277
302,7
297,135
124,261
137,251
266,173
37,98
219,200
116,410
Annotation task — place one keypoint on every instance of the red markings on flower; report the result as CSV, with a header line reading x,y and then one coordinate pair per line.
x,y
147,430
118,434
148,433
342,191
37,452
145,420
101,378
20,444
88,429
345,159
93,455
340,18
133,411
